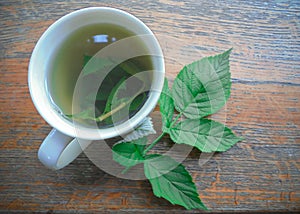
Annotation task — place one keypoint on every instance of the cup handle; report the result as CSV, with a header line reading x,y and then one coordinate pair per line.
x,y
58,150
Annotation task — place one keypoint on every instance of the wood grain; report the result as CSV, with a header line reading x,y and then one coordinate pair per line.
x,y
259,174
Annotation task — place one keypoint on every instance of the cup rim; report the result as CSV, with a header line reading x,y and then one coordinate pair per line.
x,y
56,121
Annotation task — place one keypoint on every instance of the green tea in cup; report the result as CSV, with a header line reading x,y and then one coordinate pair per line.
x,y
107,80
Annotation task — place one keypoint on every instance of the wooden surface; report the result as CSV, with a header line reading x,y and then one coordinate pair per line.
x,y
259,174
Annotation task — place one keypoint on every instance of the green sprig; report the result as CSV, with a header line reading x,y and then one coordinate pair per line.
x,y
200,89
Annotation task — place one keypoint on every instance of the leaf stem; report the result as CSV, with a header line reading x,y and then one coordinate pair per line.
x,y
126,169
175,119
160,136
153,143
108,114
119,107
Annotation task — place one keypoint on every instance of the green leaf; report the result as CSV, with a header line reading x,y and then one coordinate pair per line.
x,y
120,85
94,96
129,153
86,114
101,93
86,59
96,64
172,181
144,129
207,135
129,67
137,102
166,106
203,87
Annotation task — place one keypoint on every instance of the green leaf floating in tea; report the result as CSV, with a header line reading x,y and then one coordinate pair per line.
x,y
113,100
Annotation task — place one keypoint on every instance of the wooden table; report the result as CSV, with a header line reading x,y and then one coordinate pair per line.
x,y
260,173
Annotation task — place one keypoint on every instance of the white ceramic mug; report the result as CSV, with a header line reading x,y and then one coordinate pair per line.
x,y
61,146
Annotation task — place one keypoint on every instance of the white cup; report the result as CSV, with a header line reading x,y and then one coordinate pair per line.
x,y
62,145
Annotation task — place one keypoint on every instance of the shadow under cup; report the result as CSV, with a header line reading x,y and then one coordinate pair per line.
x,y
119,51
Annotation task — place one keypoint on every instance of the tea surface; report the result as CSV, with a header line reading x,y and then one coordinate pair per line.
x,y
68,62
